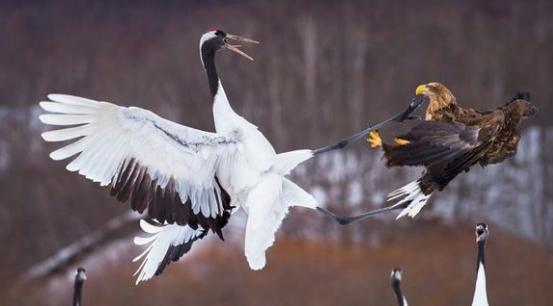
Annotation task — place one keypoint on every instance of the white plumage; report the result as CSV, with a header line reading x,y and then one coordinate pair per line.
x,y
412,194
162,237
480,297
112,135
181,176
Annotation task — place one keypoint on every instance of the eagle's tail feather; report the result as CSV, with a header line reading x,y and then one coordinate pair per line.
x,y
411,194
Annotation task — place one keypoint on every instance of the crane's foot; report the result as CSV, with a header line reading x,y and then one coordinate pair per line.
x,y
374,139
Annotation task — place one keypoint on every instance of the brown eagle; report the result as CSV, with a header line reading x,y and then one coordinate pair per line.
x,y
450,140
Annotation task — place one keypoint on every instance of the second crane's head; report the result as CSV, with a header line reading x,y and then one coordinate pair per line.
x,y
482,232
396,275
215,40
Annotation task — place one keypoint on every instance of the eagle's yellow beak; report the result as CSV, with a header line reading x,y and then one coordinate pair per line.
x,y
421,89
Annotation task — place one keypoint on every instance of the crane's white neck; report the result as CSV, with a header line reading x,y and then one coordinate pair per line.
x,y
480,297
221,103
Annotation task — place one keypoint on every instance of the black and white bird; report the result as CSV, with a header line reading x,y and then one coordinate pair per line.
x,y
80,277
396,277
480,297
185,181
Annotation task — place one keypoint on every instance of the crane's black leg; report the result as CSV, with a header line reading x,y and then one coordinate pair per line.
x,y
406,114
343,220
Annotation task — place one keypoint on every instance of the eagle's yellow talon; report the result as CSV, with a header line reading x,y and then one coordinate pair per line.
x,y
400,141
374,139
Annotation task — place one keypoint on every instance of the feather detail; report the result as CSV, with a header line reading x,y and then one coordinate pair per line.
x,y
163,241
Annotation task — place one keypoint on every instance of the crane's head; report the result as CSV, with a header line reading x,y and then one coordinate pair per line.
x,y
80,277
482,232
215,40
396,275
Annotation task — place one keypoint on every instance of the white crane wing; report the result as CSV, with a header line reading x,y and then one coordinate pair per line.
x,y
162,167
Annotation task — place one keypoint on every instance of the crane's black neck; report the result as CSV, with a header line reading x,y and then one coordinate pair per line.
x,y
480,256
397,292
77,293
208,59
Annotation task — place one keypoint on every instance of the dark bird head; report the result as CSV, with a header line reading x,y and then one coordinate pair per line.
x,y
80,277
439,96
482,232
215,40
520,104
396,275
396,280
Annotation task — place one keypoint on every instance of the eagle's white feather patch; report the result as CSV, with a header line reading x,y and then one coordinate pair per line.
x,y
409,193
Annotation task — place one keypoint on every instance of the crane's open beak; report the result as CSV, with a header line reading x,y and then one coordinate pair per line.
x,y
235,48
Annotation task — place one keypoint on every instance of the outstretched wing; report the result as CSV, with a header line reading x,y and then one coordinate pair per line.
x,y
166,243
158,165
431,142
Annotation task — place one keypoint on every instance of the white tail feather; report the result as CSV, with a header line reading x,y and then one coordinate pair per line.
x,y
162,237
265,214
287,161
409,193
267,206
294,195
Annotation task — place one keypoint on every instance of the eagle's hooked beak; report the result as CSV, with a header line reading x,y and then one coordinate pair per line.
x,y
235,48
532,111
421,89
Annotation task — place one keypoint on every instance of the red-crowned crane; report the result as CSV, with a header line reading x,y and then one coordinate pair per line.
x,y
80,277
396,277
187,181
480,297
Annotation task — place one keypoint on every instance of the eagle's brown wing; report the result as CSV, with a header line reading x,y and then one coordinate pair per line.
x,y
430,142
439,174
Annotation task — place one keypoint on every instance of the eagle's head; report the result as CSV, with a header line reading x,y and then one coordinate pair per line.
x,y
440,97
520,104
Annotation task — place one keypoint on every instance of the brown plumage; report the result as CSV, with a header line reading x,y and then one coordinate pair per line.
x,y
450,140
